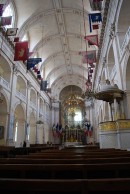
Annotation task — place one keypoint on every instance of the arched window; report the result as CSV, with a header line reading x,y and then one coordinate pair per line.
x,y
9,11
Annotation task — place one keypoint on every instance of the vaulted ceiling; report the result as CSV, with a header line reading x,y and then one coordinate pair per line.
x,y
56,30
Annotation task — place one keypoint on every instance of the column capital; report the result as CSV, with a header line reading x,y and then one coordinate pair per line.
x,y
15,69
127,92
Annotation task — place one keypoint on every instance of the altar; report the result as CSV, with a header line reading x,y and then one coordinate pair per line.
x,y
72,137
68,143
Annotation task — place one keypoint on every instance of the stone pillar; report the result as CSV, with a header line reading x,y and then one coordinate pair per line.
x,y
111,111
27,124
9,139
115,109
122,109
127,103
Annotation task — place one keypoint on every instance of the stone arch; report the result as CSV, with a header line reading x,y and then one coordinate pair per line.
x,y
127,77
127,88
123,20
33,96
19,126
110,61
5,69
32,132
21,85
3,118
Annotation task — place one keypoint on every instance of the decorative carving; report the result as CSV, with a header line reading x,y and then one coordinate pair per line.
x,y
123,124
112,31
29,85
15,69
107,126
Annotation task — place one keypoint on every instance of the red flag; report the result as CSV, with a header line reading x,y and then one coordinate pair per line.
x,y
92,39
95,26
21,51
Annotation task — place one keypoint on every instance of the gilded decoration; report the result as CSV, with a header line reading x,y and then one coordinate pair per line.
x,y
123,124
107,126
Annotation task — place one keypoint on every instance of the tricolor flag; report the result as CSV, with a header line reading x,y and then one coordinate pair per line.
x,y
92,39
21,51
5,21
1,9
11,31
94,17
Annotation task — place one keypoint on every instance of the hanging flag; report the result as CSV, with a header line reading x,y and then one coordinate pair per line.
x,y
91,65
38,72
91,71
88,56
94,17
21,51
16,39
92,39
95,26
30,65
96,4
31,62
39,76
11,31
1,9
35,69
43,85
34,60
6,20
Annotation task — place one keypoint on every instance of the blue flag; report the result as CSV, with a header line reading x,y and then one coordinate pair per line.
x,y
94,17
31,62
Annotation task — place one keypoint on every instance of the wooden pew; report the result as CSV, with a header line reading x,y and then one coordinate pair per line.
x,y
35,186
68,171
64,161
70,156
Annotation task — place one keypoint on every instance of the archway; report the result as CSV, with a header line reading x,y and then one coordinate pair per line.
x,y
19,126
127,104
110,62
21,86
123,21
3,119
5,70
